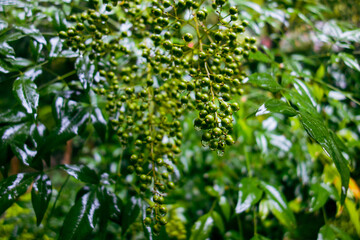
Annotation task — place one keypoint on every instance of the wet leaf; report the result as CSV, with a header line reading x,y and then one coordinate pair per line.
x,y
13,116
12,188
26,92
6,50
3,24
32,32
82,218
350,61
317,130
260,57
225,207
86,71
81,173
276,106
330,232
130,213
321,193
265,81
40,196
202,227
278,205
218,221
99,122
249,194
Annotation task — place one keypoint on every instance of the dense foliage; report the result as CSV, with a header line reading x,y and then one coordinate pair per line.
x,y
179,119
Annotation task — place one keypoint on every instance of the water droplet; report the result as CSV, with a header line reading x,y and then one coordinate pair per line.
x,y
204,143
220,153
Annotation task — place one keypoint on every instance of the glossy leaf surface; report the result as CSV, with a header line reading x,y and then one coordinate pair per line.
x,y
265,81
249,194
40,196
278,205
82,173
12,188
82,218
202,227
317,130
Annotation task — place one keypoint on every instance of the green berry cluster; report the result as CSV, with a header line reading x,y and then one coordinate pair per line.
x,y
152,72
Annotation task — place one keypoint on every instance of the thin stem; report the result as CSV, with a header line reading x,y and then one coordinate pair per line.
x,y
58,78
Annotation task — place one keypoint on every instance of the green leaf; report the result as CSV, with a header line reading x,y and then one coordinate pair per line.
x,y
354,214
40,196
225,207
260,57
317,130
130,213
6,50
249,194
350,61
26,92
320,196
202,227
12,116
278,205
218,221
86,71
81,173
12,188
99,122
265,81
32,32
330,232
71,121
82,218
3,24
301,101
4,67
276,106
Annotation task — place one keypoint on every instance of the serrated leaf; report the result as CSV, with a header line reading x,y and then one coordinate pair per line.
x,y
249,194
40,196
317,130
82,218
130,213
278,205
265,81
26,92
320,196
81,173
259,57
12,188
202,227
225,207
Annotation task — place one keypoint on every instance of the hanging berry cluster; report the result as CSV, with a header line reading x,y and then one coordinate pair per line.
x,y
157,60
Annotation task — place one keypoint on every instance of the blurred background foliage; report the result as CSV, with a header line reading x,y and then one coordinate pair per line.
x,y
275,183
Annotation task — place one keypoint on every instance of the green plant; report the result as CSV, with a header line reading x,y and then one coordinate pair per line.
x,y
133,79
